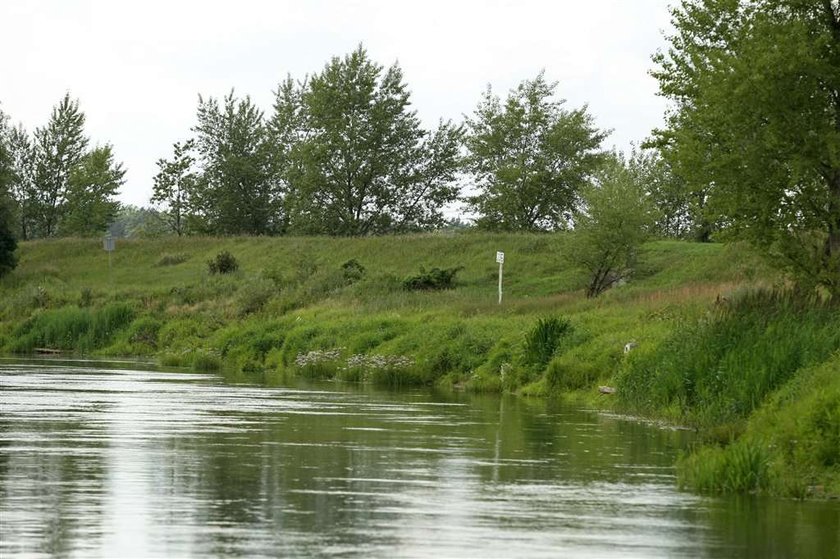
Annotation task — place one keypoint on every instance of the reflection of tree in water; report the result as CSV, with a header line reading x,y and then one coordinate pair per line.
x,y
53,490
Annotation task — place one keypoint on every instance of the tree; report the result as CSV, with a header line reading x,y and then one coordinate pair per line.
x,y
755,124
530,157
23,189
8,243
92,186
237,190
175,186
678,211
356,158
133,222
58,147
615,219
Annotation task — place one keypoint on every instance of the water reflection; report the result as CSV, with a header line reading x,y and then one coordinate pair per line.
x,y
145,463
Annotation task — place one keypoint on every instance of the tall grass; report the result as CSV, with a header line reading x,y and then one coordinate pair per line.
x,y
72,328
722,368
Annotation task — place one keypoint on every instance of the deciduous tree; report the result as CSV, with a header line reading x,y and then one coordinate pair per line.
x,y
237,191
58,147
615,219
530,157
755,124
91,195
8,243
358,161
175,187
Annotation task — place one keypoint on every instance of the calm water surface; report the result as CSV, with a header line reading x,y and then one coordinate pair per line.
x,y
122,463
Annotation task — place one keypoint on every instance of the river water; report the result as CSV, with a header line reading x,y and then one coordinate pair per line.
x,y
137,463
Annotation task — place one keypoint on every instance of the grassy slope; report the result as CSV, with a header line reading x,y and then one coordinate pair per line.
x,y
290,298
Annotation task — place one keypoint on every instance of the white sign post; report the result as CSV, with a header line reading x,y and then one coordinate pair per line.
x,y
500,258
109,244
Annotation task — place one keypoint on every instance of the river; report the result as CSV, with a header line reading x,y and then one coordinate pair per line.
x,y
144,463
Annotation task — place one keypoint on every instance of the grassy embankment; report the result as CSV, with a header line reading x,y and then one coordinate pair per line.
x,y
757,373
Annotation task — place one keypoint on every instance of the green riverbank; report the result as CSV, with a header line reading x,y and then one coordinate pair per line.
x,y
711,345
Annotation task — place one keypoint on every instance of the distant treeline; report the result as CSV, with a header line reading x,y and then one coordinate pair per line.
x,y
340,153
749,150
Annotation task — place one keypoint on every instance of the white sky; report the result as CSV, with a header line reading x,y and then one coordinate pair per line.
x,y
137,67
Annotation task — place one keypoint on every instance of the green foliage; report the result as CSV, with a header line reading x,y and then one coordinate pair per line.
x,y
175,187
91,190
755,129
58,148
722,368
85,297
530,158
611,227
237,192
72,328
741,468
353,271
355,155
223,263
434,279
8,242
253,295
144,331
543,340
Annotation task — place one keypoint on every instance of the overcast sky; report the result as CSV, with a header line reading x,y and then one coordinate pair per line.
x,y
137,67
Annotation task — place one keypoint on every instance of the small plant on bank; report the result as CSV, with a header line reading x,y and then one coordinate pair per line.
x,y
86,297
352,271
390,370
542,341
321,363
223,263
434,279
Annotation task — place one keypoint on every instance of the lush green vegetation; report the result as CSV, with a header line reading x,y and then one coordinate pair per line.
x,y
713,346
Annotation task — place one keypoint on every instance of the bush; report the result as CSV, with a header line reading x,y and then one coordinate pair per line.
x,y
86,297
353,271
144,331
542,341
434,279
254,294
223,263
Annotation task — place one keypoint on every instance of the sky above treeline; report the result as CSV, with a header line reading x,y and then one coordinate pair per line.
x,y
138,67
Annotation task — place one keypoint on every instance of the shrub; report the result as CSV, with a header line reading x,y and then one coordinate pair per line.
x,y
543,339
254,294
434,279
86,297
144,331
353,271
223,263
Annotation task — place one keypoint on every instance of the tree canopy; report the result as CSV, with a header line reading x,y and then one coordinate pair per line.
x,y
530,157
615,218
58,186
356,158
754,128
8,243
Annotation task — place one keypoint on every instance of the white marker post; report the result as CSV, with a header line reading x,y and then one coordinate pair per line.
x,y
500,258
109,244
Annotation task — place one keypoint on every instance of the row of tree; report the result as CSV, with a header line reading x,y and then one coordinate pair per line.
x,y
343,153
750,150
60,186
